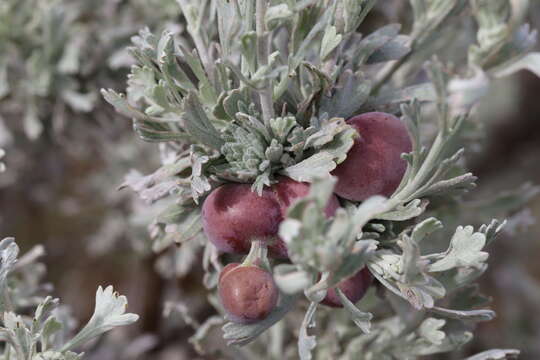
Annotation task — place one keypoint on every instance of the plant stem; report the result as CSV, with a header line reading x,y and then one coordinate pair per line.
x,y
265,94
257,255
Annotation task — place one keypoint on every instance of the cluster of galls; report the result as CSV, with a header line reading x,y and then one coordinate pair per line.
x,y
234,215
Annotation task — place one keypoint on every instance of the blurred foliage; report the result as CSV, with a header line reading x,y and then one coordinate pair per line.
x,y
64,181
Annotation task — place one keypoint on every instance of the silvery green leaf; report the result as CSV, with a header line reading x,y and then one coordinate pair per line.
x,y
530,62
348,96
368,210
187,226
354,13
44,308
140,79
415,285
228,30
109,312
50,327
317,165
321,81
457,185
277,13
198,125
314,30
322,189
342,142
206,90
289,229
392,50
360,318
121,105
306,343
430,330
405,212
240,334
459,277
438,177
429,15
453,340
469,315
158,98
374,41
331,39
290,280
235,100
496,354
356,260
422,92
425,228
139,183
9,251
493,29
154,191
19,333
465,250
252,82
173,214
249,41
200,184
55,355
421,292
492,230
159,131
261,181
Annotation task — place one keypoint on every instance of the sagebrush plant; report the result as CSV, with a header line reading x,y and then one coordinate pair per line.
x,y
34,326
254,96
55,54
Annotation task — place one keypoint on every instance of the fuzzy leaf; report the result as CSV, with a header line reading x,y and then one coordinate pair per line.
x,y
496,354
317,165
198,125
530,62
239,334
392,50
109,313
360,318
422,92
348,97
430,330
465,250
425,228
306,343
331,39
469,315
121,105
405,212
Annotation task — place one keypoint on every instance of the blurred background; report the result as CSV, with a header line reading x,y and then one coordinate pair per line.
x,y
67,152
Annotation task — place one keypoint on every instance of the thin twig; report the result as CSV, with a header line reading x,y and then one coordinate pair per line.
x,y
262,59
